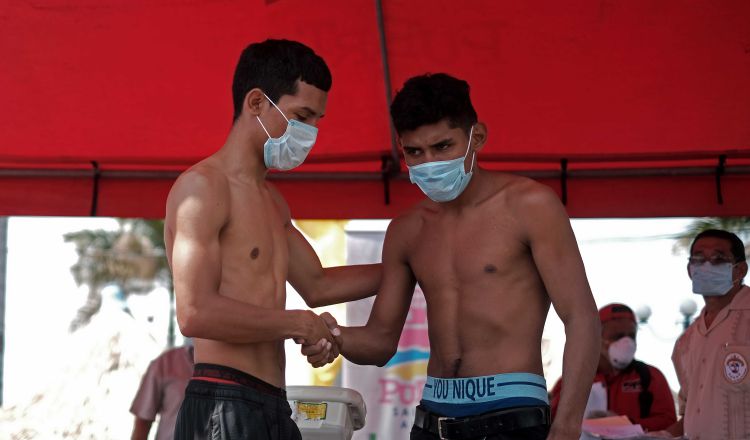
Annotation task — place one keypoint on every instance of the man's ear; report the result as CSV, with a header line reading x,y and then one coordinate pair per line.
x,y
255,102
478,136
742,267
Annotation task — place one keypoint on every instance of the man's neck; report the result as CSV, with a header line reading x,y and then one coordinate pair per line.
x,y
472,194
715,304
240,157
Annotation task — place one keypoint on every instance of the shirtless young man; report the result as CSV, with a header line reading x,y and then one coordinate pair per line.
x,y
490,251
232,247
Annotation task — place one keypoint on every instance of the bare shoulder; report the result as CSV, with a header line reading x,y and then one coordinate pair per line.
x,y
523,193
532,206
404,230
203,176
408,223
203,187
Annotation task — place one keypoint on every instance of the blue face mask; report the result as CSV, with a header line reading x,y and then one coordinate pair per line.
x,y
291,149
445,180
712,280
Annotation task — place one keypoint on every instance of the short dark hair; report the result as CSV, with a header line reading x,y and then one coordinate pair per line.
x,y
274,66
430,98
738,248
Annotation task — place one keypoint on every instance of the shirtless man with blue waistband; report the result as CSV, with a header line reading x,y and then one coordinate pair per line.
x,y
491,251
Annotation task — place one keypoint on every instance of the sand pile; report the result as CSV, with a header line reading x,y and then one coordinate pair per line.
x,y
89,388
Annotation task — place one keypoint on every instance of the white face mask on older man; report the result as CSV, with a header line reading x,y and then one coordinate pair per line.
x,y
622,352
712,279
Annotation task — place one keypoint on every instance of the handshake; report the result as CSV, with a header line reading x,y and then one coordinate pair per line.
x,y
323,341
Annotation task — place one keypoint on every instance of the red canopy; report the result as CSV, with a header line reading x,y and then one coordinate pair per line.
x,y
626,108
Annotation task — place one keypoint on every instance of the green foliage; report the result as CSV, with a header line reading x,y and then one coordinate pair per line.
x,y
738,225
132,257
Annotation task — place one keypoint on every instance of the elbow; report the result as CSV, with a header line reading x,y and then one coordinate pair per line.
x,y
381,361
315,296
596,326
385,354
314,301
587,320
189,321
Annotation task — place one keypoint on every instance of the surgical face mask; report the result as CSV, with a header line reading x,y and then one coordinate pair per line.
x,y
711,280
622,352
445,180
291,149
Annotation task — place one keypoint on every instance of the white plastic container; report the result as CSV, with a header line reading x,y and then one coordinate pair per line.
x,y
326,413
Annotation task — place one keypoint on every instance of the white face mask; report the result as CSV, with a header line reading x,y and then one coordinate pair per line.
x,y
445,180
712,280
622,352
291,149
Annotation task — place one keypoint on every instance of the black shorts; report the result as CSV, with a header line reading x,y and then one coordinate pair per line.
x,y
249,409
538,432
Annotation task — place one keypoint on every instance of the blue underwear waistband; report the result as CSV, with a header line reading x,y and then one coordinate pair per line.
x,y
465,396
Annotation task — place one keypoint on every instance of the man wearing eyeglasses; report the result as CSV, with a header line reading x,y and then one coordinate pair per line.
x,y
711,357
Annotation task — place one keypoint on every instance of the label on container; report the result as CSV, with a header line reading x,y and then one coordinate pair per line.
x,y
311,410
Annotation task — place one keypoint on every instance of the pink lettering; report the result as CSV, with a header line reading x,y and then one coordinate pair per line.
x,y
396,392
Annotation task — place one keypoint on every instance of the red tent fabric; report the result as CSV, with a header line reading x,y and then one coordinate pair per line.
x,y
626,108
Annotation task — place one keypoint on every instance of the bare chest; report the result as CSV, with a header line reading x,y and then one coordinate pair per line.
x,y
254,237
461,251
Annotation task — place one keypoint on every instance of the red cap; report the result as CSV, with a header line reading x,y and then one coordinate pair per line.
x,y
616,311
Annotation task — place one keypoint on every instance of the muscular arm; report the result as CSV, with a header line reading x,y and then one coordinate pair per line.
x,y
376,342
320,286
558,260
197,210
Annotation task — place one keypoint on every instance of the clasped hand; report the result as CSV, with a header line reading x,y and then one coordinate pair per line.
x,y
323,351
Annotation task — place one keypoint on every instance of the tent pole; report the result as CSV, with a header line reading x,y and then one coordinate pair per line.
x,y
386,76
564,180
3,271
391,166
720,169
95,189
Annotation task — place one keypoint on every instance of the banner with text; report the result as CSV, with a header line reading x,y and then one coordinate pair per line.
x,y
391,393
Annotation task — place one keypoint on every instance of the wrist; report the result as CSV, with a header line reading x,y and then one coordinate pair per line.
x,y
299,324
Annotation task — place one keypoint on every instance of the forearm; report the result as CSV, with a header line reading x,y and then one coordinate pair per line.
x,y
141,429
366,346
676,429
345,283
657,422
662,410
224,319
579,366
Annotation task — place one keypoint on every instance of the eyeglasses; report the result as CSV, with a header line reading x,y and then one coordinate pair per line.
x,y
715,260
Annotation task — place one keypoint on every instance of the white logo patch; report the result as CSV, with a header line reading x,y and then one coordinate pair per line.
x,y
735,367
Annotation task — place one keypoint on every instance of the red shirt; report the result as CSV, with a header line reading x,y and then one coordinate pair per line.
x,y
622,398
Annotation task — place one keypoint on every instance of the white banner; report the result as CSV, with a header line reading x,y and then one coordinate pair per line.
x,y
391,393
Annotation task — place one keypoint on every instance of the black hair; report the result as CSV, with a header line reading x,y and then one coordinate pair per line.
x,y
430,98
738,248
274,66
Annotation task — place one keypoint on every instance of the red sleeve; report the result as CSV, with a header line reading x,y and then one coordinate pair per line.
x,y
554,397
663,409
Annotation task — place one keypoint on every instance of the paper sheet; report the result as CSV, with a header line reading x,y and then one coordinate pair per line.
x,y
597,402
615,427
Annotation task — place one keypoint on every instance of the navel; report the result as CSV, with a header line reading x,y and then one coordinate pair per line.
x,y
254,253
490,268
456,367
